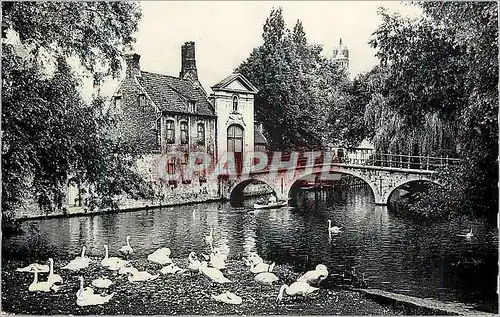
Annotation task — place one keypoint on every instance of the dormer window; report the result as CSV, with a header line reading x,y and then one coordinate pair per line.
x,y
142,101
235,103
192,106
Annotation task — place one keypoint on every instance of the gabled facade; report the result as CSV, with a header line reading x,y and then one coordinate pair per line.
x,y
161,113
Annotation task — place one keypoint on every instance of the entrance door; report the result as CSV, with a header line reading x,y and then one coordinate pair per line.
x,y
235,145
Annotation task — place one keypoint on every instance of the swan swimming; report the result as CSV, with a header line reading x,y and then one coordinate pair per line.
x,y
469,234
333,229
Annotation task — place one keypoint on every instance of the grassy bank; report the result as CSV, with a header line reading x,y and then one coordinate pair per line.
x,y
177,294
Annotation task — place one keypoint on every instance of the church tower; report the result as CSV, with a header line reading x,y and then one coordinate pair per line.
x,y
341,55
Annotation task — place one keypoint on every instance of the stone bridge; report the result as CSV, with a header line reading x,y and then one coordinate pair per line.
x,y
383,175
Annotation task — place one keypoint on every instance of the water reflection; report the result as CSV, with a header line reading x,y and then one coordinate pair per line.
x,y
425,259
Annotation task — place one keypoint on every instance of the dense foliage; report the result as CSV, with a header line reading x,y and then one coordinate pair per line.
x,y
51,135
301,93
436,94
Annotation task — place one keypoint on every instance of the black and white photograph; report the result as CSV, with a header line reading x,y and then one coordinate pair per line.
x,y
249,158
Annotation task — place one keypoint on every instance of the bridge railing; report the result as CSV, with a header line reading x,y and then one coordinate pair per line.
x,y
403,161
364,158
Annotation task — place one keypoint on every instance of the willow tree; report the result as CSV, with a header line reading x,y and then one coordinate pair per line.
x,y
440,97
51,134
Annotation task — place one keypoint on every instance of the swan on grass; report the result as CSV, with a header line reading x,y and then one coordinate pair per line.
x,y
333,229
86,296
53,278
214,274
141,276
194,263
217,261
171,269
296,289
31,268
126,249
127,269
161,256
228,298
266,278
316,276
102,282
80,262
45,286
261,267
109,261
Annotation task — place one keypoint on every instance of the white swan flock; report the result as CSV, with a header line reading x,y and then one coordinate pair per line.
x,y
213,269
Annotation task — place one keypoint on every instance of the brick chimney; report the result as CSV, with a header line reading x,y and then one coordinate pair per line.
x,y
133,65
188,62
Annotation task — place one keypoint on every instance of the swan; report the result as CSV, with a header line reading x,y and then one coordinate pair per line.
x,y
217,261
194,263
37,286
141,276
210,238
127,269
102,282
316,276
31,268
171,269
213,273
228,298
86,297
222,251
161,256
266,278
254,259
78,263
333,229
126,249
296,289
108,261
53,278
261,267
469,234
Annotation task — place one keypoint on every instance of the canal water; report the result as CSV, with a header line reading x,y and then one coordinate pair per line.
x,y
394,252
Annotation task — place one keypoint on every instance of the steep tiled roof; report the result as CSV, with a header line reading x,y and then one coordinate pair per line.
x,y
172,94
258,137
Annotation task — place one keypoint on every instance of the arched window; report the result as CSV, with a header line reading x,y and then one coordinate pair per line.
x,y
235,103
184,133
235,144
234,138
170,132
201,133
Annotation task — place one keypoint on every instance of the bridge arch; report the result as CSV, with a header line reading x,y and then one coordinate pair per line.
x,y
376,192
236,190
387,195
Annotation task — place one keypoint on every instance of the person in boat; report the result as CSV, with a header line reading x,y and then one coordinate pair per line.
x,y
272,200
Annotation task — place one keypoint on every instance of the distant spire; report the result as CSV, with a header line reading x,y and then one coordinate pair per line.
x,y
340,41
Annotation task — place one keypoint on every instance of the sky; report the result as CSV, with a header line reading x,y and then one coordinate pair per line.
x,y
225,32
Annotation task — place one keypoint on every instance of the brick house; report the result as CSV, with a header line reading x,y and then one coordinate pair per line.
x,y
162,113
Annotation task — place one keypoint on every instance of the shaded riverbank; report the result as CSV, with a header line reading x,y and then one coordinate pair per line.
x,y
179,294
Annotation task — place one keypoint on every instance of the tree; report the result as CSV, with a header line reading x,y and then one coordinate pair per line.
x,y
441,98
297,86
50,133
